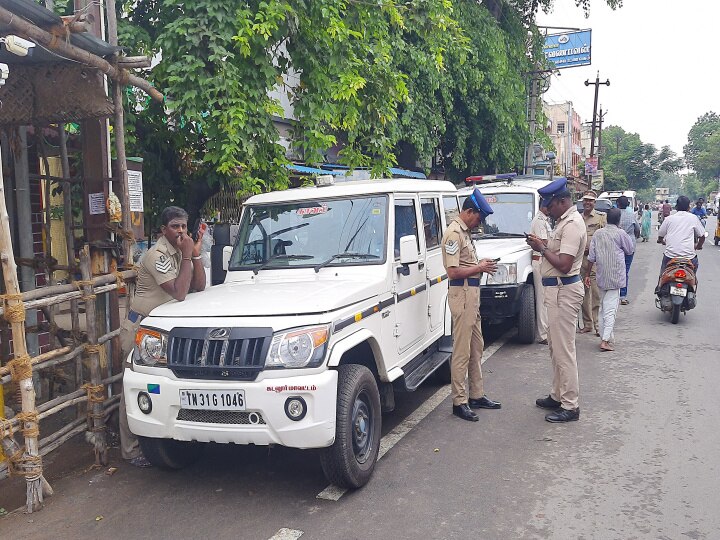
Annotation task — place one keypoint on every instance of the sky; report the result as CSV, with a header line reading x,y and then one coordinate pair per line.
x,y
661,57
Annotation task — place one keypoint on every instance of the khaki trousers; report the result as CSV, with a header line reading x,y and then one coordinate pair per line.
x,y
129,446
563,304
540,309
591,300
468,343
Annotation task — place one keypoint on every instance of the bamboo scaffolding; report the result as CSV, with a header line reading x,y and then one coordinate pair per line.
x,y
26,461
95,388
66,49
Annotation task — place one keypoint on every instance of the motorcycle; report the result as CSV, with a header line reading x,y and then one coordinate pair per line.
x,y
677,288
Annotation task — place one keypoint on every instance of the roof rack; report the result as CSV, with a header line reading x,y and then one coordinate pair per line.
x,y
489,178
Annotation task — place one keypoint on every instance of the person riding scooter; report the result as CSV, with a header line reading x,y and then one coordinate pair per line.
x,y
678,232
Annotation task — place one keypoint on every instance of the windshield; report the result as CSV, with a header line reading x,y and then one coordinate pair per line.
x,y
512,214
310,233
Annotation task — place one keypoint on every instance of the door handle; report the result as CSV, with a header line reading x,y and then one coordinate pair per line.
x,y
421,265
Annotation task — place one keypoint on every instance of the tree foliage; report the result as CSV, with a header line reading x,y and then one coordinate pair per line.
x,y
629,163
702,152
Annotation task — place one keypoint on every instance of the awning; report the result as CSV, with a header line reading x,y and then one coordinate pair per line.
x,y
404,173
302,169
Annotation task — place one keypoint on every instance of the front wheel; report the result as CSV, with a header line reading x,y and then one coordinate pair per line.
x,y
169,453
526,316
675,315
350,461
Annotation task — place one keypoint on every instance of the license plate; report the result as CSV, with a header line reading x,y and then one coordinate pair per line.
x,y
678,292
213,400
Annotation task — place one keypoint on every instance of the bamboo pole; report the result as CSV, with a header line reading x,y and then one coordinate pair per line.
x,y
66,49
93,348
29,463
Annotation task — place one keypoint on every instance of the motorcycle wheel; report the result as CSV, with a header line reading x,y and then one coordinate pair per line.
x,y
675,314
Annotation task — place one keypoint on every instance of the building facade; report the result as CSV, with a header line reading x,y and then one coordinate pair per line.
x,y
564,129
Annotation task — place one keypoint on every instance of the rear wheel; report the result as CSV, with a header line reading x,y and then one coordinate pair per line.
x,y
675,314
350,461
526,316
169,453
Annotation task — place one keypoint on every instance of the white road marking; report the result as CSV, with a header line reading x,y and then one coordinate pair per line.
x,y
333,493
286,534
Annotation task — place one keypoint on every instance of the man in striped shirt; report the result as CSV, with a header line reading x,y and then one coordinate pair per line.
x,y
609,248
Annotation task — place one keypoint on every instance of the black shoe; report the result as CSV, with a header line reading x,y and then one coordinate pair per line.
x,y
464,412
483,403
547,403
563,415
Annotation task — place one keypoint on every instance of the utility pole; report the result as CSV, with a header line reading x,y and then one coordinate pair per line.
x,y
532,117
601,117
597,84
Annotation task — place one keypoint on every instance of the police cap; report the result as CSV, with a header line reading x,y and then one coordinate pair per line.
x,y
480,204
556,188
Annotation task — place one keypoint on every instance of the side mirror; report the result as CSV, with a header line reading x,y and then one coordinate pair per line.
x,y
408,250
227,251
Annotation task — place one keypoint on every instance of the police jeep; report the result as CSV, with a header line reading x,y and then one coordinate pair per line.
x,y
508,294
335,297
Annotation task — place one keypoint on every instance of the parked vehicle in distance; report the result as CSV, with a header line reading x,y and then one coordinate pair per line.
x,y
509,294
613,196
335,297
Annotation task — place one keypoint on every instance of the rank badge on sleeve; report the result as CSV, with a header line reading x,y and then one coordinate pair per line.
x,y
163,264
451,248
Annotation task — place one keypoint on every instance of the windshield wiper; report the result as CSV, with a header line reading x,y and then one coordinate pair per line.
x,y
347,255
281,258
502,235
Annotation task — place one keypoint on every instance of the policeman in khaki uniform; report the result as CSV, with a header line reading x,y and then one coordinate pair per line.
x,y
594,220
167,271
540,227
564,291
464,270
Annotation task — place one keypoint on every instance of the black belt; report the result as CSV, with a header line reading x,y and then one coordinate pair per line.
x,y
134,316
471,281
565,280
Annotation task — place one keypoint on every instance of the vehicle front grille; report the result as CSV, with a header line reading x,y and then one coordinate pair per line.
x,y
221,417
218,353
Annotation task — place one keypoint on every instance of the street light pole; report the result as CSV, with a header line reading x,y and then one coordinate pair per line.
x,y
597,84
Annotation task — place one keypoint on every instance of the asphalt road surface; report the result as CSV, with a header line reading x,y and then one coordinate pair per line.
x,y
642,462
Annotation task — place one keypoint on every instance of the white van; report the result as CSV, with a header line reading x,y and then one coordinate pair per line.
x,y
335,298
613,196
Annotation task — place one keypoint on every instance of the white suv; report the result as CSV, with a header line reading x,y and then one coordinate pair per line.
x,y
335,297
509,293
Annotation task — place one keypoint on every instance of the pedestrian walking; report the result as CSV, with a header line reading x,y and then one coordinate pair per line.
x,y
629,224
540,227
564,291
169,270
594,221
464,270
608,249
646,224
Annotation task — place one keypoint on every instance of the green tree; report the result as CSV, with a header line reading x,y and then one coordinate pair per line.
x,y
702,152
629,163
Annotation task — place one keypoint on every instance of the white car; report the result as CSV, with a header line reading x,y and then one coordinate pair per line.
x,y
335,297
509,294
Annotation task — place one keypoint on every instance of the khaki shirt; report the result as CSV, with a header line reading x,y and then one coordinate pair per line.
x,y
540,227
569,237
159,265
593,222
458,248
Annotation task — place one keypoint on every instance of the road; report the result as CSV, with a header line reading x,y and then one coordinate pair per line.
x,y
642,462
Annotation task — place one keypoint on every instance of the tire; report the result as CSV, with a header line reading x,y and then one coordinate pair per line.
x,y
526,316
675,314
170,454
350,461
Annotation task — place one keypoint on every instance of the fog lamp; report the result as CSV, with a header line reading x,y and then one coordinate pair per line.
x,y
295,408
144,402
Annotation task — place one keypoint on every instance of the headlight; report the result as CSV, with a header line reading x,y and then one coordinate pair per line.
x,y
506,273
151,347
298,348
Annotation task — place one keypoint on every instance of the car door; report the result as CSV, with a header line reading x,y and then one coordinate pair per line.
x,y
432,234
411,293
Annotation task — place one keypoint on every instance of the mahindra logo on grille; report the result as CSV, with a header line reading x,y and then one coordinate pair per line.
x,y
225,373
219,333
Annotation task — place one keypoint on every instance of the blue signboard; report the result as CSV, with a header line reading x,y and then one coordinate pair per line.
x,y
570,49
